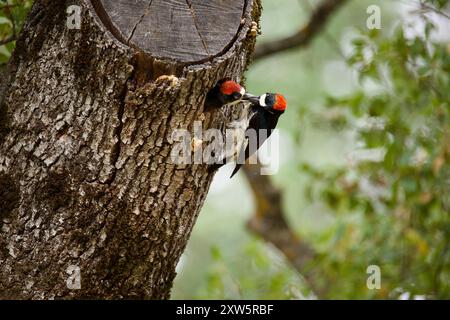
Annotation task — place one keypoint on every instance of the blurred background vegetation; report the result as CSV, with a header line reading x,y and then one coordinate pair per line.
x,y
365,160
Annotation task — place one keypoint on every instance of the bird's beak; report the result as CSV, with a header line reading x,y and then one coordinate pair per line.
x,y
251,98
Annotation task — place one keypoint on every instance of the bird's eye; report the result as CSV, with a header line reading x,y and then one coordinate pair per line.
x,y
236,95
262,100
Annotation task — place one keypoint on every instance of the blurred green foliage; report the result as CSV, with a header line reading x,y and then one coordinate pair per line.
x,y
277,284
366,160
12,17
400,201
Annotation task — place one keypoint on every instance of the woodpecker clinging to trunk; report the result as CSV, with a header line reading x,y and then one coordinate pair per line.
x,y
261,113
225,92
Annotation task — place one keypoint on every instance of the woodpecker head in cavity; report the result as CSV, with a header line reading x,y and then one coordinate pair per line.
x,y
231,92
272,102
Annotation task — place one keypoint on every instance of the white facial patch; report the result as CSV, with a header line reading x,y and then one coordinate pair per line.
x,y
262,100
242,92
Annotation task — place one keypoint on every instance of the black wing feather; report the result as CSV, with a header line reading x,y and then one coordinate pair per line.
x,y
259,120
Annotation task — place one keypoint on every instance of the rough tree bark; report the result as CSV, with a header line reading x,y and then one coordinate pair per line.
x,y
86,118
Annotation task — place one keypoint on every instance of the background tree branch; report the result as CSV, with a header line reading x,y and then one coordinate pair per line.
x,y
302,37
269,220
8,40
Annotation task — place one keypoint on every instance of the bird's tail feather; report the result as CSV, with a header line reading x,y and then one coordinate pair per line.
x,y
236,169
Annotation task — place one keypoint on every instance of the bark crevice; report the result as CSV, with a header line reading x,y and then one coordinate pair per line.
x,y
139,21
189,4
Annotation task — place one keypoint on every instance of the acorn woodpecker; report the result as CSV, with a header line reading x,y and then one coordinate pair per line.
x,y
261,113
225,92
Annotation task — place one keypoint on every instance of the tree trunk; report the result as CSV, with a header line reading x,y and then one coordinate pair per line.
x,y
86,118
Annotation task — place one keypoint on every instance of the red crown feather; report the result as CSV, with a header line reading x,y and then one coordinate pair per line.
x,y
280,103
230,87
